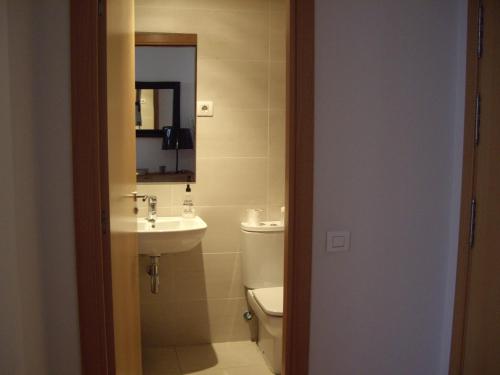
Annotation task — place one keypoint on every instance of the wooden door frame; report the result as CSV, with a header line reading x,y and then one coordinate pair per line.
x,y
299,186
463,261
91,187
90,170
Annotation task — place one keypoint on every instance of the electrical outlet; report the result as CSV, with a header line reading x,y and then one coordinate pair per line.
x,y
205,109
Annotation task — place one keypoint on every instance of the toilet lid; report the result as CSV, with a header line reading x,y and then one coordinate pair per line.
x,y
263,226
270,299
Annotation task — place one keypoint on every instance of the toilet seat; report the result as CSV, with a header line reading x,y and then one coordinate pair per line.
x,y
270,300
267,304
273,323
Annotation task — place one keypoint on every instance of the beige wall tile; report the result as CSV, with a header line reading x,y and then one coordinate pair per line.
x,y
192,322
226,320
223,233
189,276
191,260
277,134
277,46
277,20
158,325
278,5
276,187
240,5
212,320
222,34
236,84
228,182
277,85
233,133
277,35
163,193
223,275
191,285
233,35
166,20
274,211
177,210
230,328
220,277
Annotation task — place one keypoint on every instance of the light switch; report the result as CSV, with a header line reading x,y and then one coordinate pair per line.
x,y
205,109
337,241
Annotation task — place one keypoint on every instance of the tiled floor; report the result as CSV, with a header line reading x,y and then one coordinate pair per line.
x,y
228,358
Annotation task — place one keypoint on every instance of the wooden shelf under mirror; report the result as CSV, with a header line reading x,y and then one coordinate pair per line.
x,y
165,39
183,176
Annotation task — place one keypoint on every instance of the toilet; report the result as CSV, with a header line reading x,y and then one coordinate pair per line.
x,y
262,252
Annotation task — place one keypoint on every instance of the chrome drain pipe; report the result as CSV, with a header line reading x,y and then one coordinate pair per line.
x,y
154,273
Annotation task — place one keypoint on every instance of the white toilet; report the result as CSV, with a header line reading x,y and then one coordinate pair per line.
x,y
262,251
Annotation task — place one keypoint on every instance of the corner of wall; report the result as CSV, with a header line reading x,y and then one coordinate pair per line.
x,y
456,183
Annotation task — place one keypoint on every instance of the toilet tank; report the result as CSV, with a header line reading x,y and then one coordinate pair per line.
x,y
262,254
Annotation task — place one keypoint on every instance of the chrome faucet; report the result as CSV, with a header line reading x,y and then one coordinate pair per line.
x,y
151,208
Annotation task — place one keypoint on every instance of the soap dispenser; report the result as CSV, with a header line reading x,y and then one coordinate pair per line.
x,y
187,205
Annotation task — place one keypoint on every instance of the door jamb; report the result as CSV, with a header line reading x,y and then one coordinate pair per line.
x,y
463,261
299,187
89,124
90,187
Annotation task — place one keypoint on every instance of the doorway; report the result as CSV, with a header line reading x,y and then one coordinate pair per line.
x,y
102,200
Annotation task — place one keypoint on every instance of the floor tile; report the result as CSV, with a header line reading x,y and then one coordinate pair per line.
x,y
227,358
195,358
244,370
160,361
236,354
249,370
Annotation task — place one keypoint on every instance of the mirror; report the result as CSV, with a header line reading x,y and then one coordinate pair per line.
x,y
165,107
157,105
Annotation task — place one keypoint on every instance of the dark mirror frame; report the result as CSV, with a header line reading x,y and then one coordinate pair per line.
x,y
176,120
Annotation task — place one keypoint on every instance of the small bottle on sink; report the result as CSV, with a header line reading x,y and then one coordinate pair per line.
x,y
188,206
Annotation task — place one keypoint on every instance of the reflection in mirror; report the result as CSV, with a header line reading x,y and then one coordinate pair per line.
x,y
165,113
157,105
148,104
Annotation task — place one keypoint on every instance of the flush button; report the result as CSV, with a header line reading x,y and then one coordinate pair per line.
x,y
337,241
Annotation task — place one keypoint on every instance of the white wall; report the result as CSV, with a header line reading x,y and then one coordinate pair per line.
x,y
389,118
40,296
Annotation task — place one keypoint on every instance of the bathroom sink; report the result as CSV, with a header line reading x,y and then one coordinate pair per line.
x,y
169,234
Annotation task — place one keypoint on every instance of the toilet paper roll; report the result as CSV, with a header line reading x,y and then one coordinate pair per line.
x,y
254,216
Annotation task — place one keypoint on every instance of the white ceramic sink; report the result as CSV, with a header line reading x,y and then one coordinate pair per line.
x,y
169,234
